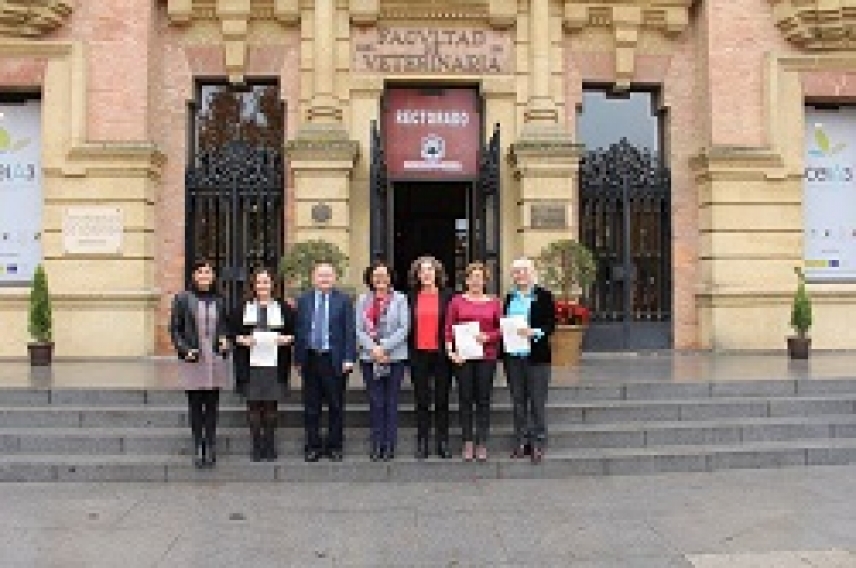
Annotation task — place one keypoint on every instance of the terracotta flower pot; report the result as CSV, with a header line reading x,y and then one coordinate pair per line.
x,y
41,354
566,344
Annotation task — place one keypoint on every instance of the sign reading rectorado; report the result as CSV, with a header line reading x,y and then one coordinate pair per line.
x,y
432,50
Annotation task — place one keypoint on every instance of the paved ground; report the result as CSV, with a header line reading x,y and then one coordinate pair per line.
x,y
801,518
163,372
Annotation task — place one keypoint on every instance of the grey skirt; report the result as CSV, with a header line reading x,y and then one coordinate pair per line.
x,y
264,385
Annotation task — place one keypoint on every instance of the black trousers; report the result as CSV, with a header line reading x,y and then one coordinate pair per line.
x,y
203,406
529,385
475,387
323,384
432,380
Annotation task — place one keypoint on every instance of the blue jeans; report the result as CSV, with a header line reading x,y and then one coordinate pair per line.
x,y
383,402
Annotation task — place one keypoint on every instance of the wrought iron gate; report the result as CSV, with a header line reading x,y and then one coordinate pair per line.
x,y
235,183
625,219
486,209
380,231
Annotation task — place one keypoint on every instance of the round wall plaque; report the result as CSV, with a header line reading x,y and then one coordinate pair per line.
x,y
322,212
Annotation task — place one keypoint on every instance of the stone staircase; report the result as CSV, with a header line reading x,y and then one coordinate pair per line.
x,y
609,428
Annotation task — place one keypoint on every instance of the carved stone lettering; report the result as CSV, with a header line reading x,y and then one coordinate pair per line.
x,y
432,50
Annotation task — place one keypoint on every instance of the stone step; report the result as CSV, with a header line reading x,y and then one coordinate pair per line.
x,y
146,441
593,412
559,464
603,391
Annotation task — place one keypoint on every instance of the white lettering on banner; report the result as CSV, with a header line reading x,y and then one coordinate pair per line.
x,y
421,116
20,191
829,194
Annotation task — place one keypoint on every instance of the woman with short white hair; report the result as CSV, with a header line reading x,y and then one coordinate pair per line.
x,y
528,369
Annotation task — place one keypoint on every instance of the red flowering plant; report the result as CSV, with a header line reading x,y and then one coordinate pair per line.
x,y
568,269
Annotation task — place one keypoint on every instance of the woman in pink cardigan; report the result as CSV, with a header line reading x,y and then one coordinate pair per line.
x,y
475,376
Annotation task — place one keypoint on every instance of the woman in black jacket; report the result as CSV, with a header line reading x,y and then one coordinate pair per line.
x,y
430,371
528,371
263,381
199,328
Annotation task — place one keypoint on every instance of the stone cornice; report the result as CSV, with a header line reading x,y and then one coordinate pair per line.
x,y
627,19
499,13
32,18
816,25
234,17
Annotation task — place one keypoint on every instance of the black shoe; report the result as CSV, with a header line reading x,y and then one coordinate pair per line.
x,y
527,449
256,455
443,450
336,455
269,447
422,449
199,455
376,453
312,456
211,454
389,454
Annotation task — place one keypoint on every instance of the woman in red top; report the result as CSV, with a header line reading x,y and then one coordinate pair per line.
x,y
475,376
430,371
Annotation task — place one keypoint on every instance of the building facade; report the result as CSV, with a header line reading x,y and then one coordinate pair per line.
x,y
685,141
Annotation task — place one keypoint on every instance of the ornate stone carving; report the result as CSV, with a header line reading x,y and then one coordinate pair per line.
x,y
31,18
817,24
234,17
627,18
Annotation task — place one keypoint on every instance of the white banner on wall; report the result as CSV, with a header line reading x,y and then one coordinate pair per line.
x,y
20,191
829,196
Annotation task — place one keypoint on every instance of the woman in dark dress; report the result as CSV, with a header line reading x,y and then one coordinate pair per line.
x,y
199,329
263,382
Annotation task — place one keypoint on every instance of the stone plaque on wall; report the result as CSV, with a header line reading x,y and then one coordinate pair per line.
x,y
549,216
411,49
92,230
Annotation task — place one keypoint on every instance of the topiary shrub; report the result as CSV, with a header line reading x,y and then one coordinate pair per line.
x,y
41,319
801,318
300,258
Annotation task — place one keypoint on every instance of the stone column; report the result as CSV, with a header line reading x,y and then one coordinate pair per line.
x,y
322,156
545,158
324,107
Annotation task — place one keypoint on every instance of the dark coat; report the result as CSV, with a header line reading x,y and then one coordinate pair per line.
x,y
182,323
542,316
445,297
242,354
342,324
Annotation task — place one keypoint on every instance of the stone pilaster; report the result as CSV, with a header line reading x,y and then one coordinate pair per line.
x,y
547,171
322,161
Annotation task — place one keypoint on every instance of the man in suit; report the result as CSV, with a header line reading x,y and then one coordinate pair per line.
x,y
325,351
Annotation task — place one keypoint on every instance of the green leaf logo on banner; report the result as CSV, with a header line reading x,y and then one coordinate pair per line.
x,y
824,145
7,144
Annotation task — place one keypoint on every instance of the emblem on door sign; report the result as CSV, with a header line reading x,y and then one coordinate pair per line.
x,y
321,213
433,148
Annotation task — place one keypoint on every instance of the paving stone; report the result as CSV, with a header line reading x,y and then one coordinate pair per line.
x,y
757,459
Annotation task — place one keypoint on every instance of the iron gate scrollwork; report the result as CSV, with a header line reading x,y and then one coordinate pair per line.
x,y
378,198
235,183
486,208
625,219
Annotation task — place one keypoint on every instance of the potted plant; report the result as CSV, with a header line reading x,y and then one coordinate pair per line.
x,y
300,258
567,268
801,320
40,321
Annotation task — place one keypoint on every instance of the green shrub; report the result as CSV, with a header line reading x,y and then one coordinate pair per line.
x,y
801,319
567,268
300,258
41,320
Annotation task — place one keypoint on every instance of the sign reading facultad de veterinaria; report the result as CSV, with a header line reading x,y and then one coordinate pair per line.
x,y
20,192
403,49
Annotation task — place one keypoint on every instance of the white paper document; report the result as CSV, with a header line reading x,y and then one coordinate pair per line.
x,y
511,338
466,344
264,352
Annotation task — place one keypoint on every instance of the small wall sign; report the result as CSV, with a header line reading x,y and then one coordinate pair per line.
x,y
549,216
322,213
92,230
